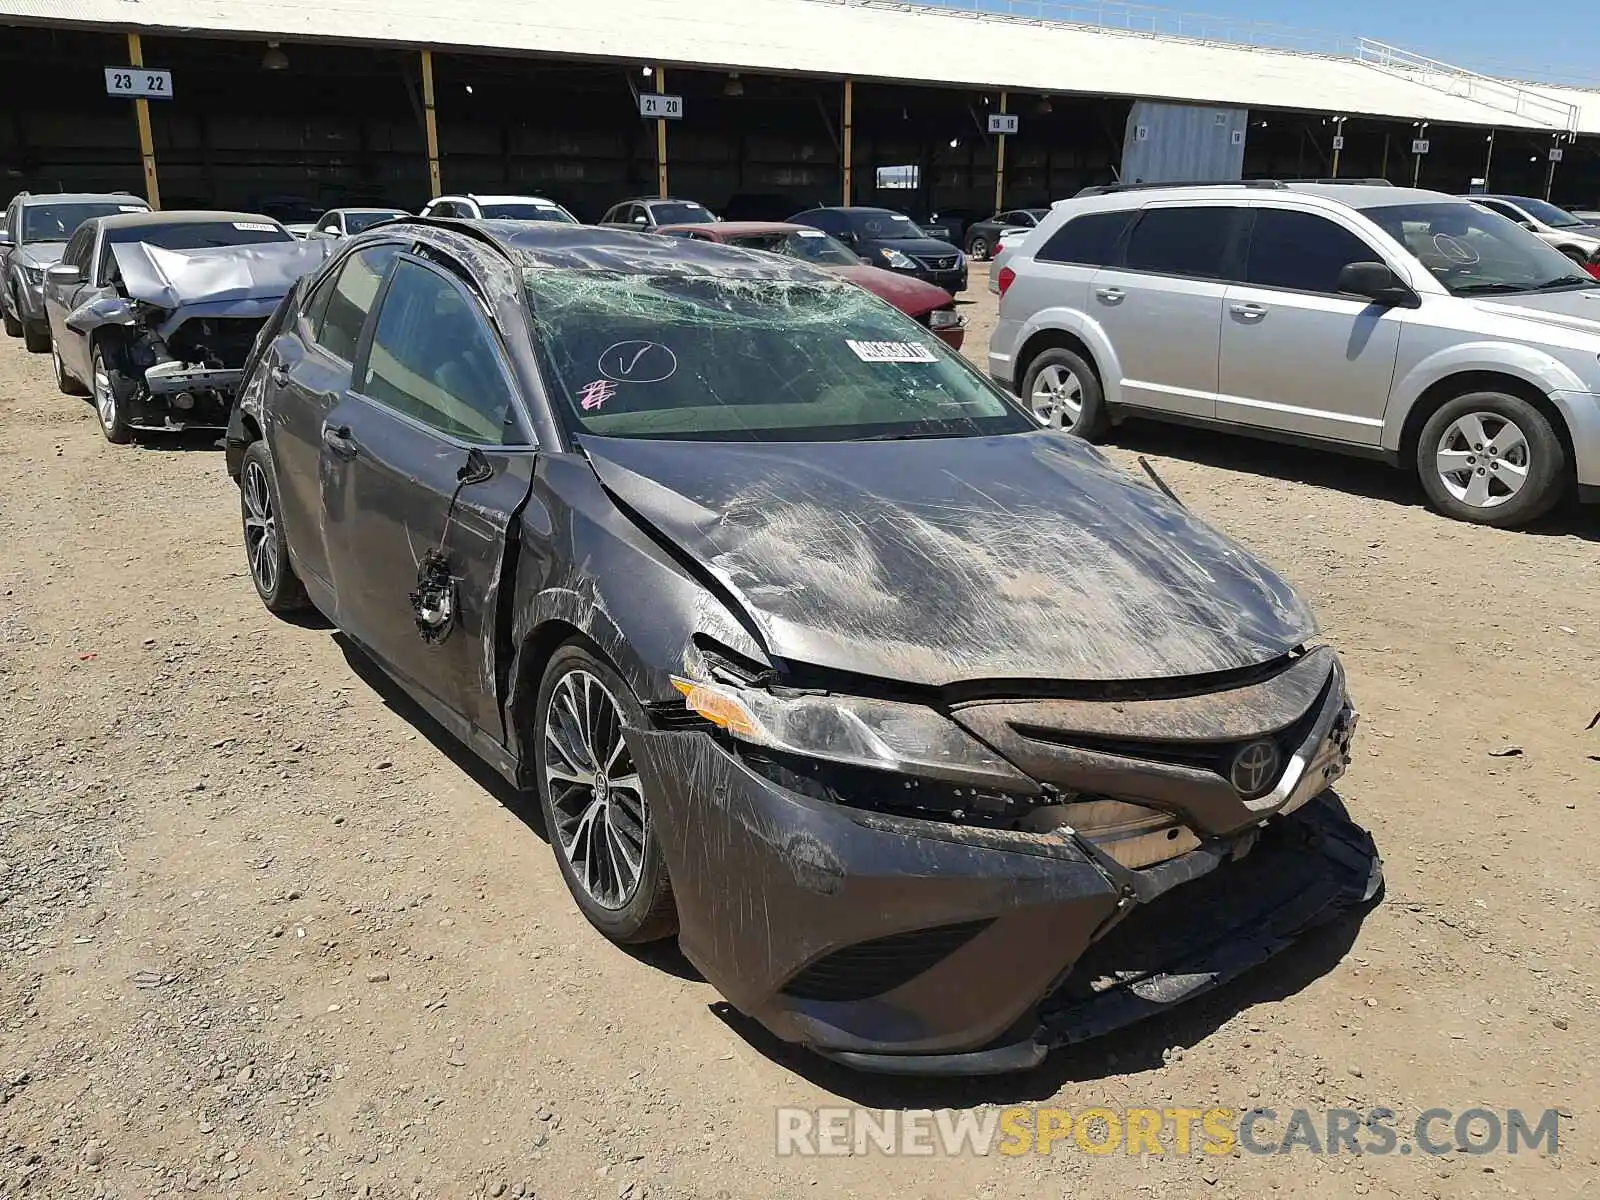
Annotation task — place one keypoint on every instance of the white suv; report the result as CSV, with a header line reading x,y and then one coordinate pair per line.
x,y
1404,325
498,208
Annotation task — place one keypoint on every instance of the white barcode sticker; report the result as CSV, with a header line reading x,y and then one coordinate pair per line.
x,y
130,208
892,352
255,226
809,233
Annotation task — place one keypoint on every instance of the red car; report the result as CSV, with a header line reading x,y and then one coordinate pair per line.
x,y
923,302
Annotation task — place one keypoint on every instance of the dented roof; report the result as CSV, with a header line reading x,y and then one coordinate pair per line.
x,y
828,38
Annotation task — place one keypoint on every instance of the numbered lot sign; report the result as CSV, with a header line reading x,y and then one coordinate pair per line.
x,y
138,82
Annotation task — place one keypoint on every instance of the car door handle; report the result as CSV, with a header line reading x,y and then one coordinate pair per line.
x,y
339,441
1109,295
1247,312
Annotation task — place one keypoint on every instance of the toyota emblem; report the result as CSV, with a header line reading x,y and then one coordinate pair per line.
x,y
1255,769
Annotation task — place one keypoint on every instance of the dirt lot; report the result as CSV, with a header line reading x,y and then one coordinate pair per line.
x,y
264,931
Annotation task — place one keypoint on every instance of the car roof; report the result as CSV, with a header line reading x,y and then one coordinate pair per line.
x,y
657,200
82,198
855,208
483,199
551,246
364,208
194,216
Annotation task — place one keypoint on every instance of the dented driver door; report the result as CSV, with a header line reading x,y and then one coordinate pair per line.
x,y
425,463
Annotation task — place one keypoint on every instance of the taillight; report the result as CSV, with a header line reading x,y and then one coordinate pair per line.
x,y
1593,269
1007,278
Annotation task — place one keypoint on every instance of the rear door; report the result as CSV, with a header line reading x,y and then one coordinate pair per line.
x,y
1162,307
308,368
1297,355
426,460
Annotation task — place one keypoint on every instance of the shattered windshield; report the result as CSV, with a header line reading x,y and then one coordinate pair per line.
x,y
1473,251
703,357
58,222
528,212
810,245
198,235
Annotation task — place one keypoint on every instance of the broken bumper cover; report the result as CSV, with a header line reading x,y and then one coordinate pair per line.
x,y
918,946
171,378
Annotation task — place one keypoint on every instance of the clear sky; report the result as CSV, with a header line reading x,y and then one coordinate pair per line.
x,y
1554,40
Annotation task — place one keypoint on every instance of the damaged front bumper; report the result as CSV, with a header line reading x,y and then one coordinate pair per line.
x,y
910,945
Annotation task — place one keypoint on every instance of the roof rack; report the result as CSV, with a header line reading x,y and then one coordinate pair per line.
x,y
1351,181
1106,189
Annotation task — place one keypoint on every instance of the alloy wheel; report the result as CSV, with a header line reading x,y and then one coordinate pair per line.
x,y
260,528
596,798
1483,459
105,398
1057,397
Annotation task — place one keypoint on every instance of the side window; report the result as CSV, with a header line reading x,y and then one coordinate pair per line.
x,y
1302,251
435,359
77,252
1505,210
330,223
1088,241
611,215
341,305
1192,241
440,208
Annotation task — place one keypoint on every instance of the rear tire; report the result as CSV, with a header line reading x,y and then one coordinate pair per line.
x,y
1491,458
979,250
266,550
600,822
1063,391
36,336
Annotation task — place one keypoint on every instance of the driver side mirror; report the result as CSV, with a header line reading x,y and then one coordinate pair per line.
x,y
641,220
64,274
1528,225
6,240
1376,282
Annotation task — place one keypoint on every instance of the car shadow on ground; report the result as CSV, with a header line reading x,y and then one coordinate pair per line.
x,y
1130,1051
1318,468
524,806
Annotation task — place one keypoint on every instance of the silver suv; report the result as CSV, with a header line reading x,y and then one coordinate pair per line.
x,y
1404,325
35,231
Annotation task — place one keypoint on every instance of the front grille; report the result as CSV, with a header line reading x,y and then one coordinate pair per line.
x,y
872,968
939,264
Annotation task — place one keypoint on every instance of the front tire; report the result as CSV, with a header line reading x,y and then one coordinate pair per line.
x,y
1491,458
595,810
265,548
1063,391
979,250
13,323
36,336
109,405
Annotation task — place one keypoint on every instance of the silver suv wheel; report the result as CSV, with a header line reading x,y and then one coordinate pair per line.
x,y
1483,459
1057,397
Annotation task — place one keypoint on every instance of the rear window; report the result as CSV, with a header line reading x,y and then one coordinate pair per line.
x,y
1193,241
527,212
1089,240
680,213
197,235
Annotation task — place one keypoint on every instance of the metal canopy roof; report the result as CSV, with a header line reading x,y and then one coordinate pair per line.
x,y
829,38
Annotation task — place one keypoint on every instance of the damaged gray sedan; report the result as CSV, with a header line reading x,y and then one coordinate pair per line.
x,y
153,314
936,740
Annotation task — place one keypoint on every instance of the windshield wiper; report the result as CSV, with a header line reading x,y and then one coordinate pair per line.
x,y
1484,289
905,437
1567,281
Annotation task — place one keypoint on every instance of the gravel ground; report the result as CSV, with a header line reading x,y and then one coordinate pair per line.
x,y
265,931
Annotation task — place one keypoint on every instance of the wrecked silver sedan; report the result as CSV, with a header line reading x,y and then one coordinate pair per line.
x,y
936,740
153,314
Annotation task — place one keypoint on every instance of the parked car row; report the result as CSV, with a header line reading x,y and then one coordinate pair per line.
x,y
1425,330
764,591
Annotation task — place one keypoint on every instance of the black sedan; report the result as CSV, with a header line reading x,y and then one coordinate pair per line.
x,y
892,241
983,237
936,739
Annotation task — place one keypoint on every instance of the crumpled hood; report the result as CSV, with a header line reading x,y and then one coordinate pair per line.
x,y
935,561
39,254
909,294
217,275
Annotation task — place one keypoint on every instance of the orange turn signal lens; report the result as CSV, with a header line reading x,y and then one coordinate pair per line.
x,y
721,709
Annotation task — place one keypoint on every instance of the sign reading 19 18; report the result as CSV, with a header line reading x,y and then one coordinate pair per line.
x,y
139,82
